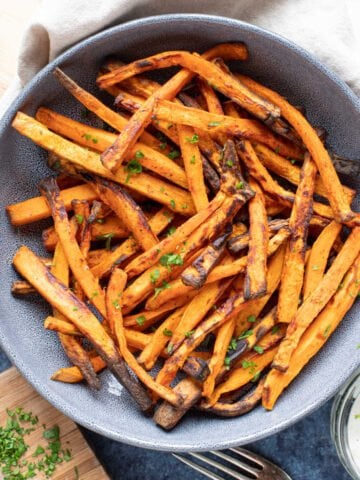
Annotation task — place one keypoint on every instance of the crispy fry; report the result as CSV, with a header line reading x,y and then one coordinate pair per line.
x,y
61,298
289,171
317,261
256,265
36,208
75,258
315,336
293,272
238,377
177,199
21,287
223,337
153,255
143,116
193,166
220,272
338,202
113,305
74,374
268,184
126,209
196,274
214,124
98,140
159,340
317,300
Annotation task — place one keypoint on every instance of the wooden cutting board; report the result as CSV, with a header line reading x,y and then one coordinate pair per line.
x,y
16,392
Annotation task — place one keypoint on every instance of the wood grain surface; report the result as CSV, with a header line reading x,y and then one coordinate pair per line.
x,y
16,392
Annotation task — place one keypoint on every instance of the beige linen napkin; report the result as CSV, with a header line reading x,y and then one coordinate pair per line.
x,y
327,28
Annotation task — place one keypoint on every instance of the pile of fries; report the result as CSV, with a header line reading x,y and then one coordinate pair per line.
x,y
205,226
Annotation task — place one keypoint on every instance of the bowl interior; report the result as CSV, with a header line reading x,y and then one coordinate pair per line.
x,y
37,353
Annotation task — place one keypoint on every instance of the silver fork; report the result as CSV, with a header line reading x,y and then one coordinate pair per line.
x,y
249,466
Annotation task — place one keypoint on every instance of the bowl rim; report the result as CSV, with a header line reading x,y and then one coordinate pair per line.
x,y
28,372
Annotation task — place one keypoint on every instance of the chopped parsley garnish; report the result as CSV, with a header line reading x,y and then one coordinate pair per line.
x,y
327,331
246,334
232,344
116,304
141,320
139,154
239,185
164,286
167,332
79,218
154,276
133,167
170,348
174,154
172,203
193,139
184,206
171,231
292,161
89,137
256,377
214,124
249,364
227,362
193,160
189,334
229,163
162,145
315,267
275,329
251,318
108,237
170,259
259,349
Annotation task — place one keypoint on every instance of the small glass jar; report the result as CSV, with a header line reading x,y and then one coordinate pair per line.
x,y
345,425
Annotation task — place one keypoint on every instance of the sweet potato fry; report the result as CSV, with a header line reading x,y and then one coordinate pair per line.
x,y
202,67
21,287
240,407
126,209
195,275
193,166
159,340
176,198
315,336
318,257
143,116
220,272
74,374
290,172
153,255
36,208
238,377
292,276
113,305
317,300
124,251
98,140
61,298
75,258
268,184
223,337
213,123
256,265
338,202
61,326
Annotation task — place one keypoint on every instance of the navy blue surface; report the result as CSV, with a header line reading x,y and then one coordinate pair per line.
x,y
305,451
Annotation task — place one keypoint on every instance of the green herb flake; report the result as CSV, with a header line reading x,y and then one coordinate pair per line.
x,y
170,348
184,206
227,363
79,218
259,349
167,332
246,334
163,287
139,154
162,145
141,320
275,329
132,168
39,451
229,163
214,124
292,161
76,471
95,140
239,185
189,334
170,231
193,139
232,344
315,267
87,136
116,304
52,433
154,276
193,160
251,319
173,154
256,377
172,203
170,259
327,331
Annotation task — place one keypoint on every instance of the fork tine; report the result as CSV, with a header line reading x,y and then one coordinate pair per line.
x,y
197,467
253,457
238,463
219,466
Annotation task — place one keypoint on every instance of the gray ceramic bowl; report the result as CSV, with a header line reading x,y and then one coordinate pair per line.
x,y
36,352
